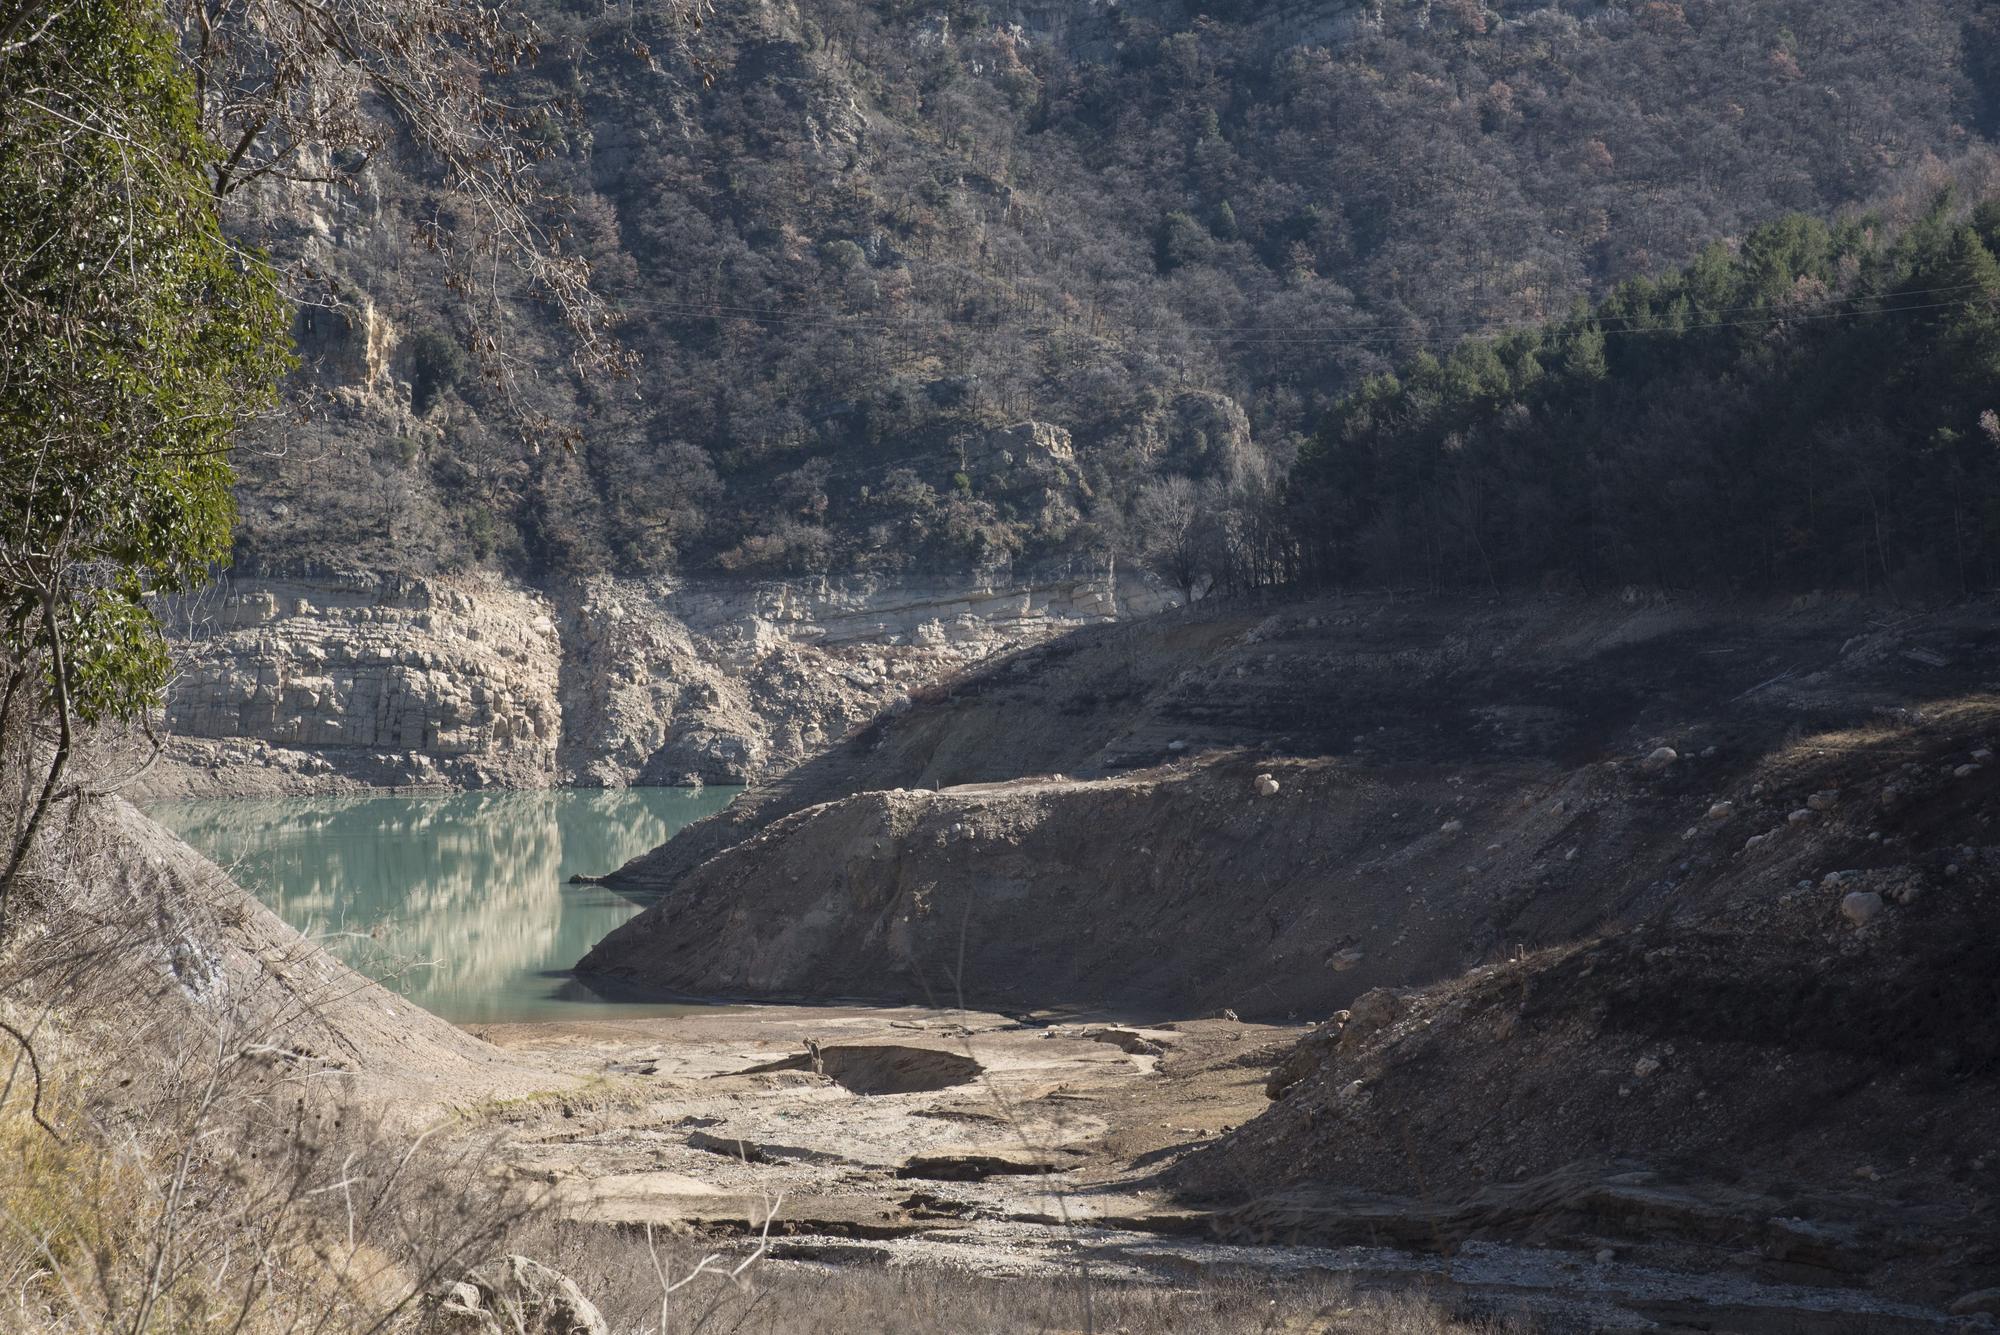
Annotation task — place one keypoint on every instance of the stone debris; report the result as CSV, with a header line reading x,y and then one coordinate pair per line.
x,y
1661,757
1266,786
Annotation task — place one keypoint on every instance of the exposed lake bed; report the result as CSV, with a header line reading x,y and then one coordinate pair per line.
x,y
1024,1145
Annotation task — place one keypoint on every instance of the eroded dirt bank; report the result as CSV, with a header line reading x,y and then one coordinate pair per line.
x,y
1450,784
1641,928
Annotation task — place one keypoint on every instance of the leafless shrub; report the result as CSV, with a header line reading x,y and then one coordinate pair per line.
x,y
173,1156
782,1297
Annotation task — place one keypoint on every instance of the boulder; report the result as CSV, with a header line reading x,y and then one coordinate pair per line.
x,y
1372,1012
1662,757
1861,907
515,1296
1266,786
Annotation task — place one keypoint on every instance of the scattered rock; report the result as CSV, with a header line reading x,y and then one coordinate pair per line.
x,y
515,1296
1266,785
1662,757
1722,811
1451,827
1799,817
1644,1067
1824,800
1964,770
1861,907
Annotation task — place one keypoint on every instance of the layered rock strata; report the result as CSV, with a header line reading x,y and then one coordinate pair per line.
x,y
328,680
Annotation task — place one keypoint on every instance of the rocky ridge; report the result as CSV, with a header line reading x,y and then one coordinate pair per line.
x,y
321,680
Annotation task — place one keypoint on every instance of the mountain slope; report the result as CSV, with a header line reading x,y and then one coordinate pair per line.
x,y
878,235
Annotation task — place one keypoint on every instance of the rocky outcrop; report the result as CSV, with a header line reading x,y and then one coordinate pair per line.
x,y
326,680
374,679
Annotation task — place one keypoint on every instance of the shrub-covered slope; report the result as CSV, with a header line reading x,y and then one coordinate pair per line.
x,y
851,240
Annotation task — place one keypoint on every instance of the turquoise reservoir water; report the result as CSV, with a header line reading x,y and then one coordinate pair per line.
x,y
460,902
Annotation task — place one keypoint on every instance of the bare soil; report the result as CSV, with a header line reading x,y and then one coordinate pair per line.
x,y
1658,934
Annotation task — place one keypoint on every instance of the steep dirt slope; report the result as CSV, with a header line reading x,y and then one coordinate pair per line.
x,y
164,966
1372,678
1452,781
1813,1070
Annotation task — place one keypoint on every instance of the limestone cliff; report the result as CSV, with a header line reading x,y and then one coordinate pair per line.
x,y
321,680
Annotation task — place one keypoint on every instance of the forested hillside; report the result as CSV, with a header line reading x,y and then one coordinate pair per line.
x,y
1815,410
853,243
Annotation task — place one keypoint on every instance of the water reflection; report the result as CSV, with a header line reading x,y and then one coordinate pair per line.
x,y
458,902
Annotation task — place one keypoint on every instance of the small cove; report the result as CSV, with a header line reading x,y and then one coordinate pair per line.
x,y
459,902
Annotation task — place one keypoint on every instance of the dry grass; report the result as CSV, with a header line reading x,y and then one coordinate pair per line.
x,y
791,1298
192,1169
247,1208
